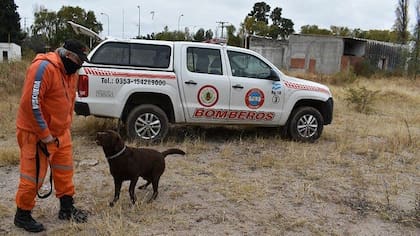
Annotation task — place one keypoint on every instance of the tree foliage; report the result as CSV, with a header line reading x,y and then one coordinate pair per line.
x,y
10,30
379,35
171,35
54,29
185,35
257,22
233,40
260,12
314,29
199,36
401,23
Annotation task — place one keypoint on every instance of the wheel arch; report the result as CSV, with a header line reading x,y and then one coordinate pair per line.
x,y
163,101
325,108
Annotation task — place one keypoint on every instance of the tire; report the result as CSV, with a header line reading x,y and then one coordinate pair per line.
x,y
147,122
306,124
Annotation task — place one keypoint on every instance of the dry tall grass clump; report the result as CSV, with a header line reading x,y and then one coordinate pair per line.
x,y
360,178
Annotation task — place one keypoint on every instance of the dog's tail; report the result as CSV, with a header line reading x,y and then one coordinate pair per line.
x,y
173,151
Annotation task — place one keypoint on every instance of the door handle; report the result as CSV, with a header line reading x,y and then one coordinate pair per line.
x,y
237,86
190,82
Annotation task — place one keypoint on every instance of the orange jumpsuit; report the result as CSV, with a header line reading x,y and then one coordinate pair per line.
x,y
46,107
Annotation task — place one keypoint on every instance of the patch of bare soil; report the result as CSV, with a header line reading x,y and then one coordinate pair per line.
x,y
231,184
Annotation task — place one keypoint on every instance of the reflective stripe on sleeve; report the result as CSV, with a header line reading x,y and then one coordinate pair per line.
x,y
35,95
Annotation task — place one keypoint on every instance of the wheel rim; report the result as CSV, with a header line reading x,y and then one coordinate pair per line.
x,y
307,126
147,126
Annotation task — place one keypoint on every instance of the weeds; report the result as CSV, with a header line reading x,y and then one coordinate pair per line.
x,y
361,98
248,180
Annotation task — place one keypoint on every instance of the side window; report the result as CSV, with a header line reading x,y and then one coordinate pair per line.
x,y
246,65
147,55
113,54
204,60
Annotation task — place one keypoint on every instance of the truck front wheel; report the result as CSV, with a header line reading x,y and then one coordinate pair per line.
x,y
147,122
306,124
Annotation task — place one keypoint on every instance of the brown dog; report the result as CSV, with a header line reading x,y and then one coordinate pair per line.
x,y
129,163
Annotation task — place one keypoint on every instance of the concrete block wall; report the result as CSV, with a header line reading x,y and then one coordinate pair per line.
x,y
321,54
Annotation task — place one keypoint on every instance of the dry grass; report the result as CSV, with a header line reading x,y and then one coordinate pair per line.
x,y
361,177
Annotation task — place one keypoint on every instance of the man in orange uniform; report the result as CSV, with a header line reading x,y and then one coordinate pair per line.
x,y
44,119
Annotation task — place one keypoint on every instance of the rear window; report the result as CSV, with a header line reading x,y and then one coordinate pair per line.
x,y
133,54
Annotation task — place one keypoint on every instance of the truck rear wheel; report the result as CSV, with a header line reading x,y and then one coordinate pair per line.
x,y
147,122
306,124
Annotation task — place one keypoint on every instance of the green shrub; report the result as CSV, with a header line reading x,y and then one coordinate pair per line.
x,y
361,98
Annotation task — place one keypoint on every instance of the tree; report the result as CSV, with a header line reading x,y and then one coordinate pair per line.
x,y
257,22
54,28
313,29
340,31
199,35
232,39
209,34
401,23
276,16
249,25
10,30
260,12
286,28
171,35
381,35
282,27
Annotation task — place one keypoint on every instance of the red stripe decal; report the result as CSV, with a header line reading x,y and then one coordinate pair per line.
x,y
100,72
305,87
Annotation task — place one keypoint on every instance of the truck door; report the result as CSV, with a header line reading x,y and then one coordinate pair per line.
x,y
205,84
257,94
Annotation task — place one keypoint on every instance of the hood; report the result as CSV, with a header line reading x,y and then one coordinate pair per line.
x,y
307,84
52,57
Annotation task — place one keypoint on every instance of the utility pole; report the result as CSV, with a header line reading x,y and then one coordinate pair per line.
x,y
138,35
179,19
223,25
107,17
123,23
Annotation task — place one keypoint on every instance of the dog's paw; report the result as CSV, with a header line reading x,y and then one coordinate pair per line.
x,y
111,204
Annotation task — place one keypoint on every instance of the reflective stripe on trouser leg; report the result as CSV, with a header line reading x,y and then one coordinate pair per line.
x,y
62,166
25,196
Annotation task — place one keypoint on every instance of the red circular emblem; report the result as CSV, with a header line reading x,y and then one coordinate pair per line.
x,y
254,98
208,96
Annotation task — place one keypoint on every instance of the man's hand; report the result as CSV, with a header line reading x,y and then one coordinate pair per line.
x,y
48,139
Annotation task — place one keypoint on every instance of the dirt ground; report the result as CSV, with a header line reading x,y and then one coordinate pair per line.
x,y
229,183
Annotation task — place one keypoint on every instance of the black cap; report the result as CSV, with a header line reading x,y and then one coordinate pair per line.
x,y
77,47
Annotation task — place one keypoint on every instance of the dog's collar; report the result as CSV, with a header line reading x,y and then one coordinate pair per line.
x,y
117,154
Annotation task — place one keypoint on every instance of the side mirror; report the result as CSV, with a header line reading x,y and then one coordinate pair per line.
x,y
273,76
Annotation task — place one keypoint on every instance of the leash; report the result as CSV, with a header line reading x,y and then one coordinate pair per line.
x,y
41,146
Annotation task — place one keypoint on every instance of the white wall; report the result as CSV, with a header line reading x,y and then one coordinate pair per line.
x,y
12,50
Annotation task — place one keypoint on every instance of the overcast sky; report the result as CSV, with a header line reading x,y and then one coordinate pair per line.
x,y
123,15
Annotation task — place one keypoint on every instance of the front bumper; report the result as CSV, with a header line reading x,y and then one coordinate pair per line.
x,y
328,113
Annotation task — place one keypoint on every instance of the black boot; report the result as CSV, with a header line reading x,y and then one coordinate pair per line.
x,y
69,212
23,219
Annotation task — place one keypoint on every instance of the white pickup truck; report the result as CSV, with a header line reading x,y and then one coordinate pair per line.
x,y
149,84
